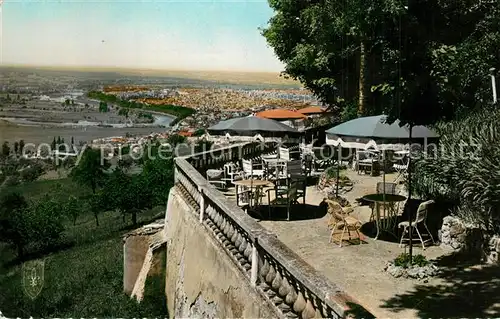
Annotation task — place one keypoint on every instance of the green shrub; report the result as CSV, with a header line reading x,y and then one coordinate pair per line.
x,y
404,259
465,170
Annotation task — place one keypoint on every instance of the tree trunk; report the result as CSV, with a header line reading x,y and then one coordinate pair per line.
x,y
20,251
134,218
96,219
362,71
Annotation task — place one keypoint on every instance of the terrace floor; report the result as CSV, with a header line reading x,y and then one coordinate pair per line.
x,y
358,269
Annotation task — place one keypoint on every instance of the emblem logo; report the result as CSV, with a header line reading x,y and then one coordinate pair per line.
x,y
33,277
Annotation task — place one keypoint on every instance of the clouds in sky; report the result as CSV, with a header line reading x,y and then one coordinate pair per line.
x,y
159,36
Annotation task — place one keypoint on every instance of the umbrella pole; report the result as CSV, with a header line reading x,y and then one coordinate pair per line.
x,y
410,248
383,181
338,172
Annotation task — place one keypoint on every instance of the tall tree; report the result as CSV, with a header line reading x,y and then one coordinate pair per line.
x,y
329,45
12,207
419,50
16,147
21,146
5,149
129,194
90,171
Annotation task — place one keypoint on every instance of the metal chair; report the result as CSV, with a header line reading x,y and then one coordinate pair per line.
x,y
214,177
420,218
232,173
401,168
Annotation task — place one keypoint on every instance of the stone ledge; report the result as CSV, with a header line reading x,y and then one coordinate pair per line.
x,y
148,229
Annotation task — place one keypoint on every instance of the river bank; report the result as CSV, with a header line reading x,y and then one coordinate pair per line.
x,y
45,133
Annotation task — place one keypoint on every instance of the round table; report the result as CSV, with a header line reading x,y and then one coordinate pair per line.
x,y
251,183
389,211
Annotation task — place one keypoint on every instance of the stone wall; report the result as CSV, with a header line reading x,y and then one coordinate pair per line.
x,y
455,234
493,250
201,279
136,245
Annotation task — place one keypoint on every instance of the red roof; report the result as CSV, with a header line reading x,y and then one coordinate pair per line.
x,y
186,134
280,114
312,110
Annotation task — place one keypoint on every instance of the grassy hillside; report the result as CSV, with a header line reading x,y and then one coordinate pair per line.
x,y
84,276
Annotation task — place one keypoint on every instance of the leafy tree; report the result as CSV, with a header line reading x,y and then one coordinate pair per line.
x,y
176,139
97,204
199,132
22,224
158,174
72,208
13,208
72,141
128,194
123,112
66,102
103,107
125,162
46,216
414,71
30,174
90,170
5,149
16,147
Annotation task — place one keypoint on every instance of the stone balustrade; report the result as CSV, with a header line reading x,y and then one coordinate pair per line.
x,y
281,276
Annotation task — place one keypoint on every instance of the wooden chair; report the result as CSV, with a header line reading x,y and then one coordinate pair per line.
x,y
390,188
287,199
250,171
284,153
341,221
294,168
301,185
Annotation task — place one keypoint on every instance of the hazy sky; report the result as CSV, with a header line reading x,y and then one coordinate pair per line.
x,y
182,34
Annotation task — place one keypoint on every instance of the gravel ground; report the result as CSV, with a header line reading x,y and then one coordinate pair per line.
x,y
356,268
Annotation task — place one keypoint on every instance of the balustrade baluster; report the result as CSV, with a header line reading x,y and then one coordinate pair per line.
x,y
255,265
300,303
269,280
309,311
202,204
275,285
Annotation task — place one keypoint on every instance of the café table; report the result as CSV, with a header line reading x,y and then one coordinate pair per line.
x,y
252,183
385,210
